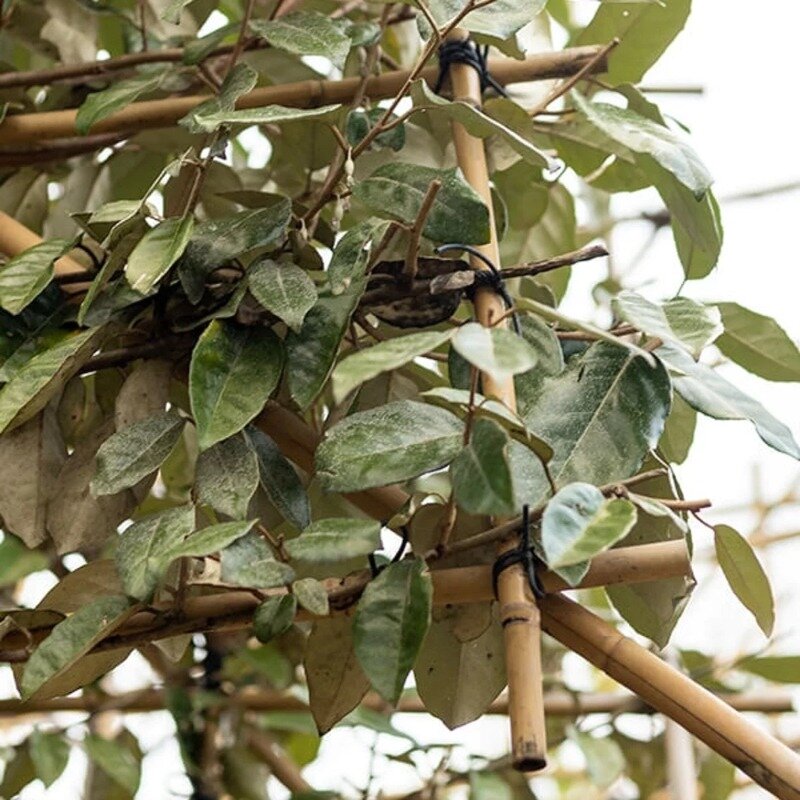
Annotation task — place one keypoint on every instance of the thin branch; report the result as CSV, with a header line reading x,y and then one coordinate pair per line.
x,y
58,149
582,73
567,259
43,77
171,345
410,268
506,529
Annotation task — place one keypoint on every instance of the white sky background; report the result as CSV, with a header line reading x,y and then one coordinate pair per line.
x,y
745,129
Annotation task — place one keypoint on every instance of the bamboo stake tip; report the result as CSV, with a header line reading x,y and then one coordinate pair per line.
x,y
529,764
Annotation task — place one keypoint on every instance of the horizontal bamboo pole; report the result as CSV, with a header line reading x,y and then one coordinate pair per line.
x,y
461,585
148,114
556,703
16,237
767,761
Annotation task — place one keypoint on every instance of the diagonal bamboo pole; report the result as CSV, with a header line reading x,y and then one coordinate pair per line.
x,y
23,129
519,613
768,762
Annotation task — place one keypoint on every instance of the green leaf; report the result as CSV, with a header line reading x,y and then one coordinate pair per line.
x,y
23,277
645,31
274,616
212,539
157,251
396,191
311,353
361,122
215,242
197,50
653,608
42,377
352,253
119,94
646,137
758,344
553,315
49,753
605,760
578,523
745,575
388,444
144,550
601,415
327,541
497,351
363,365
779,669
265,115
279,480
336,682
489,786
481,473
18,770
250,562
71,639
717,777
239,81
696,224
678,432
710,394
306,33
312,595
478,123
226,476
135,452
284,289
692,324
458,401
233,372
17,561
390,623
116,760
172,13
502,20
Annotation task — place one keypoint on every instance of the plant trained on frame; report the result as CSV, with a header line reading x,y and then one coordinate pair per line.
x,y
284,370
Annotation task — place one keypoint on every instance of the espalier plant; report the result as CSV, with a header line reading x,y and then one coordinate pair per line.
x,y
245,352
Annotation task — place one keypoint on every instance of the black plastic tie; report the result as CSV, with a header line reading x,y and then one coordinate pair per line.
x,y
465,51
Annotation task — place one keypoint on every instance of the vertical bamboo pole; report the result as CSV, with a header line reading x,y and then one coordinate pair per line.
x,y
518,610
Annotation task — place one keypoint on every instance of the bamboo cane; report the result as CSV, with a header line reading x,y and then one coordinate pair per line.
x,y
15,237
768,762
148,114
519,613
556,703
233,610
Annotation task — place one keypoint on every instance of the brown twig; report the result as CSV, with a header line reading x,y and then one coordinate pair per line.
x,y
58,149
174,346
500,532
566,85
410,268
